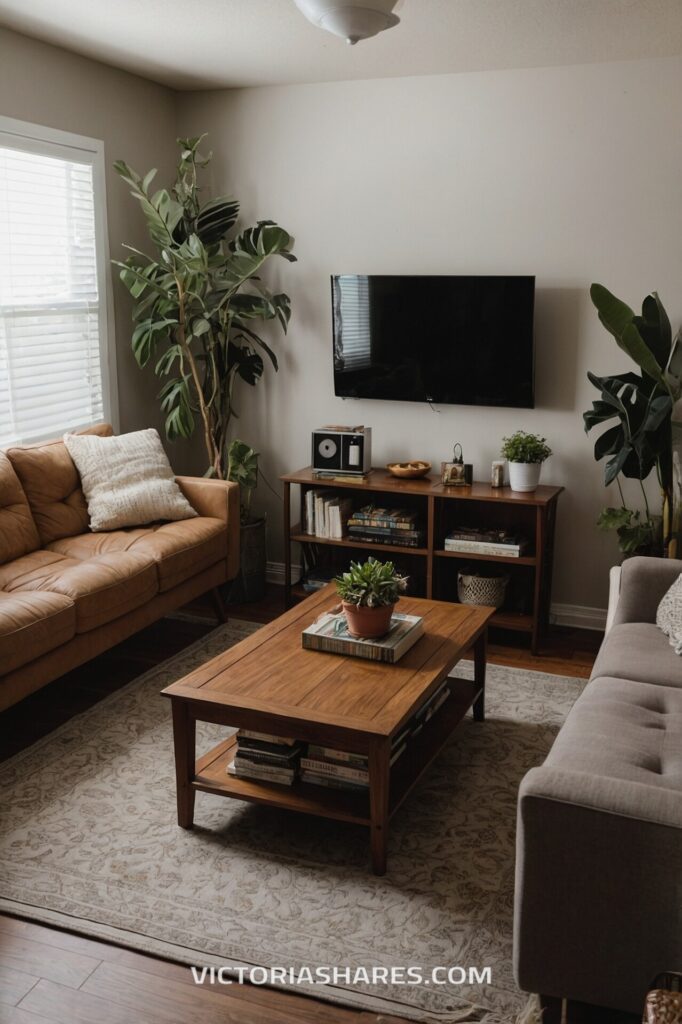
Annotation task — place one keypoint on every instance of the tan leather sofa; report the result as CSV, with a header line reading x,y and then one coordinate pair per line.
x,y
67,594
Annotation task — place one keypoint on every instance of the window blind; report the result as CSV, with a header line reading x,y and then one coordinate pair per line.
x,y
354,321
51,320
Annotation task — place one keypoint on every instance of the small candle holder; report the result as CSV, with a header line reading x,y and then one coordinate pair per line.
x,y
497,473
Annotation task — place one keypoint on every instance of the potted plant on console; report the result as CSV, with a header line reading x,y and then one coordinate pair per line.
x,y
525,454
369,592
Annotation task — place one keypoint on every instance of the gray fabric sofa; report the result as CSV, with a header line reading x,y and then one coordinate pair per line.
x,y
598,901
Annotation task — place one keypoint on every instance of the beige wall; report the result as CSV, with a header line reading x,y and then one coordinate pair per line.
x,y
136,120
572,174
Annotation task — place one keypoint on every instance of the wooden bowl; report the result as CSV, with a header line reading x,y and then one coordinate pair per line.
x,y
409,470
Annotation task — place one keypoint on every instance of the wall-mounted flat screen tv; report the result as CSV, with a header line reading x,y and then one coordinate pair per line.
x,y
446,340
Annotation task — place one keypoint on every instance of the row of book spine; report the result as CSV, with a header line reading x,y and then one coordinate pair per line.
x,y
326,515
282,759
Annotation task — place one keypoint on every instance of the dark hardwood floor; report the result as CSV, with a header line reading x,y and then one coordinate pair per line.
x,y
48,974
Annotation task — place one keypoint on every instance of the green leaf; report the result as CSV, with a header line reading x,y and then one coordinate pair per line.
x,y
614,314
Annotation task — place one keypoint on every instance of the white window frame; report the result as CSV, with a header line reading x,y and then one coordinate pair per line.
x,y
52,142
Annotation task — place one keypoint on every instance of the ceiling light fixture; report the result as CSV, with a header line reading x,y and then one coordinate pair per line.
x,y
351,19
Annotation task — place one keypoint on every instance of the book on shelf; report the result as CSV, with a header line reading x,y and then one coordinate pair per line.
x,y
256,756
339,771
337,477
314,768
264,773
384,531
325,515
485,542
330,781
267,737
479,547
396,518
426,712
395,539
329,633
350,757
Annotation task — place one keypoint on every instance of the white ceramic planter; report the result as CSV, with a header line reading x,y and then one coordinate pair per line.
x,y
524,476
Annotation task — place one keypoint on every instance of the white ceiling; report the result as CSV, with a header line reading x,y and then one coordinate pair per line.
x,y
196,44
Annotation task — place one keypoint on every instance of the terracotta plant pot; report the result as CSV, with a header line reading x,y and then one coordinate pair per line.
x,y
368,623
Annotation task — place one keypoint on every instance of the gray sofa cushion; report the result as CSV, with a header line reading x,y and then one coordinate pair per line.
x,y
625,730
639,651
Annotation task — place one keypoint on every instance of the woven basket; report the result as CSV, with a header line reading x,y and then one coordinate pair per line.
x,y
474,588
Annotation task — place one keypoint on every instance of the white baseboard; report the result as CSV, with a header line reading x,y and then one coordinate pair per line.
x,y
579,616
274,573
576,615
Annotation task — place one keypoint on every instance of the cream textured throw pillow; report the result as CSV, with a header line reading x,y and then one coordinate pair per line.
x,y
127,480
669,614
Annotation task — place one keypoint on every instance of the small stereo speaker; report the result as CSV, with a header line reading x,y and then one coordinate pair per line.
x,y
346,450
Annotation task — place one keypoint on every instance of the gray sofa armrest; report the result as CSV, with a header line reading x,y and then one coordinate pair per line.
x,y
643,583
597,907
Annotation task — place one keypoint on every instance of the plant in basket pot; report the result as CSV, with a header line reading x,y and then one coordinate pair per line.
x,y
525,454
369,592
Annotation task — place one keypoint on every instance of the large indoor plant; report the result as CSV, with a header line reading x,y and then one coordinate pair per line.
x,y
369,592
199,300
640,441
525,454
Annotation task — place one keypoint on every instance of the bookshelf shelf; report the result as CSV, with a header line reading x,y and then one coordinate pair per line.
x,y
347,542
475,556
440,508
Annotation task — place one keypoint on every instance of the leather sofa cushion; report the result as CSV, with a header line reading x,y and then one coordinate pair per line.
x,y
33,624
52,486
623,730
639,651
18,533
180,549
102,588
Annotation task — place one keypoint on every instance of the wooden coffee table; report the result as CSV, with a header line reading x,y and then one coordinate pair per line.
x,y
267,682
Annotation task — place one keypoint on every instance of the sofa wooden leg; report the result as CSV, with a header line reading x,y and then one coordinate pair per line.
x,y
219,605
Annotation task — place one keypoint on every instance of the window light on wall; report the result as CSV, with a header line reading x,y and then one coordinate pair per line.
x,y
56,368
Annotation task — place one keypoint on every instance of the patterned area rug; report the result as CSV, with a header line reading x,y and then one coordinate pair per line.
x,y
88,840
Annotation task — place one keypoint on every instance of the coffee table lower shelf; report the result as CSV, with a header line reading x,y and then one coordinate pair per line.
x,y
342,805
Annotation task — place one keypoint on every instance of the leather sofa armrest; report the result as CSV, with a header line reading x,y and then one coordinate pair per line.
x,y
597,884
643,582
218,499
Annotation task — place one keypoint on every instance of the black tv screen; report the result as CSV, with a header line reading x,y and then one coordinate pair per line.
x,y
446,340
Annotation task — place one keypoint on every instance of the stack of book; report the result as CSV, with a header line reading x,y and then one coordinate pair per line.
x,y
330,633
266,757
325,514
374,525
485,542
342,769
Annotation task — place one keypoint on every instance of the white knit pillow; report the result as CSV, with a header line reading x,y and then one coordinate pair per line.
x,y
669,614
127,480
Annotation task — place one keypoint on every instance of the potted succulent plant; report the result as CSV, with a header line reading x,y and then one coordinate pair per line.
x,y
368,593
525,454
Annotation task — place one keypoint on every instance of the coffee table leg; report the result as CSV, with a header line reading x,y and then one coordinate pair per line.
x,y
479,676
184,739
379,785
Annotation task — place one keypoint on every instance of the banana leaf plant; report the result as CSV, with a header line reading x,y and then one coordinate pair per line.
x,y
199,300
641,404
